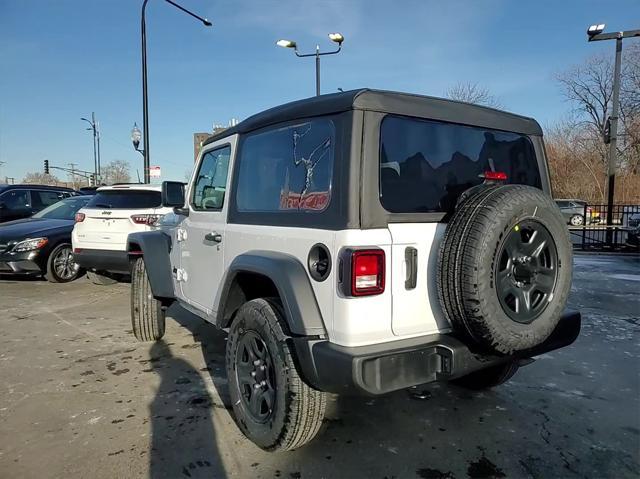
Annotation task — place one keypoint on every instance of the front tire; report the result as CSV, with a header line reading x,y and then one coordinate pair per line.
x,y
61,268
489,377
273,406
576,220
147,315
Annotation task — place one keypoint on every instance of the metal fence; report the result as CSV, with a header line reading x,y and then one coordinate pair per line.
x,y
621,233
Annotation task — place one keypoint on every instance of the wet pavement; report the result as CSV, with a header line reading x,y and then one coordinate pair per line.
x,y
80,398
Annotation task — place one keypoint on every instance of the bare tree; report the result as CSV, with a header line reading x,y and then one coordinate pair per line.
x,y
577,153
473,93
37,178
116,171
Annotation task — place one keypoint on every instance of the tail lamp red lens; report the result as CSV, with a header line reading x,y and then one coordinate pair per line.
x,y
145,219
79,217
495,175
367,272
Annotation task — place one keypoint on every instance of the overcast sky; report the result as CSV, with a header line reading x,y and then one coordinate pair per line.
x,y
61,60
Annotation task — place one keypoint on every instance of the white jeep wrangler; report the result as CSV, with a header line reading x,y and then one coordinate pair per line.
x,y
363,242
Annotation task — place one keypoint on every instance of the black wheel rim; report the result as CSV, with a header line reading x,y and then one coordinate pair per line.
x,y
527,271
255,376
63,264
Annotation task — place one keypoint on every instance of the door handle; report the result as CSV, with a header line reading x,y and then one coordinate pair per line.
x,y
215,237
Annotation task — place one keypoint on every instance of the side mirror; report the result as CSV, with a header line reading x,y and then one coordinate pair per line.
x,y
173,194
2,205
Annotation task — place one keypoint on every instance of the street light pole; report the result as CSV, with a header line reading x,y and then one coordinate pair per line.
x,y
96,151
595,33
335,37
317,70
145,100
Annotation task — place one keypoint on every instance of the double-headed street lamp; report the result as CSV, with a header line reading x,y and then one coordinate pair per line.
x,y
96,141
145,101
334,37
595,33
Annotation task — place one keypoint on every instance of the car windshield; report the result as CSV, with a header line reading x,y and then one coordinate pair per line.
x,y
64,209
125,199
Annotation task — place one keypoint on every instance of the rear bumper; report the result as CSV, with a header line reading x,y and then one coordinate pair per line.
x,y
382,368
27,262
102,260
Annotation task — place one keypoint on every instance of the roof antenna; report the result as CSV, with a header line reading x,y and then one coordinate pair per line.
x,y
340,90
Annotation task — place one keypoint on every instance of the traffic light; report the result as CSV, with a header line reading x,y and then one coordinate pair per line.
x,y
46,167
92,179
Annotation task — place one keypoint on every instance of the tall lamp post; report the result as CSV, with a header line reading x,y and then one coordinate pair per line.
x,y
145,101
334,37
96,142
594,34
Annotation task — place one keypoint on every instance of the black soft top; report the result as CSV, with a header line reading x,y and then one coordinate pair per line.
x,y
419,106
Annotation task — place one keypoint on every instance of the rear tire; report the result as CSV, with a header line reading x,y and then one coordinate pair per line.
x,y
147,315
489,377
272,405
100,278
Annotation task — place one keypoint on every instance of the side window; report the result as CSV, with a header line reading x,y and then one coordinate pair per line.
x,y
42,199
15,199
563,204
288,169
211,181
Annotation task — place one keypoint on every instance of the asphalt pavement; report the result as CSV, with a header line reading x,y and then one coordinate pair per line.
x,y
79,397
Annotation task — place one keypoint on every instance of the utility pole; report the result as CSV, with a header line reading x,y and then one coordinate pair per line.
x,y
72,167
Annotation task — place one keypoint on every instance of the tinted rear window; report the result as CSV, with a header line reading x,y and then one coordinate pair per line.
x,y
125,199
425,165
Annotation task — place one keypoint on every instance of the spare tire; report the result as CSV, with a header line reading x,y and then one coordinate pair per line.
x,y
505,267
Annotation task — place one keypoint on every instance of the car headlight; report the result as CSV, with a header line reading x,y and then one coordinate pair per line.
x,y
30,244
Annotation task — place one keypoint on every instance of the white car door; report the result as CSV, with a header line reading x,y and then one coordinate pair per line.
x,y
202,233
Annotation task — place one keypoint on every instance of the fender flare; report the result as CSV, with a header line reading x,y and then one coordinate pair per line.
x,y
155,247
290,278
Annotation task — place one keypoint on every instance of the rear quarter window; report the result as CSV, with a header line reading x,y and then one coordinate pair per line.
x,y
426,165
287,169
125,199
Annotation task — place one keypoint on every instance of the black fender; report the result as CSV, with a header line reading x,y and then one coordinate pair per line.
x,y
155,247
292,282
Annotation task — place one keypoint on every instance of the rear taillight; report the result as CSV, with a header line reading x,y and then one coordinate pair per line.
x,y
367,272
79,217
495,175
145,219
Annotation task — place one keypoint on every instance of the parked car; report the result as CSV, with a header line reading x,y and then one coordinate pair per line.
x,y
41,245
361,242
100,234
574,212
22,201
88,190
633,237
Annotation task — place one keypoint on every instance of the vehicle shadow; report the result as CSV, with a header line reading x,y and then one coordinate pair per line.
x,y
183,438
26,278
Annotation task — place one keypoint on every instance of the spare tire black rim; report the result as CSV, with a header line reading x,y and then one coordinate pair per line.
x,y
527,271
255,376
